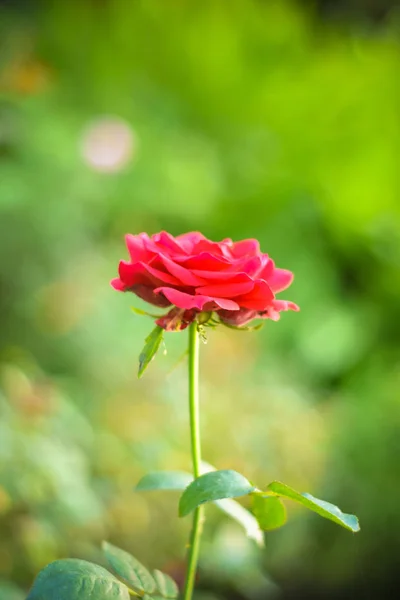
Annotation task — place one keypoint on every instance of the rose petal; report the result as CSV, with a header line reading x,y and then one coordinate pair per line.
x,y
267,269
280,305
143,273
136,248
150,244
259,298
206,261
237,318
245,248
226,290
158,274
188,240
167,241
277,306
272,314
183,275
250,266
222,276
214,275
183,300
118,285
220,249
279,280
147,294
217,303
129,275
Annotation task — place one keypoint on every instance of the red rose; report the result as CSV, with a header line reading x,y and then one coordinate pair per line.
x,y
233,279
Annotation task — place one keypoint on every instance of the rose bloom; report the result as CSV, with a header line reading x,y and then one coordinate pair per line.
x,y
195,275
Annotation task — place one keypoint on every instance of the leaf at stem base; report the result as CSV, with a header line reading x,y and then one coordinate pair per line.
x,y
164,480
324,509
269,511
215,485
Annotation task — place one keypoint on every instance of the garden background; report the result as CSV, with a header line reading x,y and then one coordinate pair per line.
x,y
273,120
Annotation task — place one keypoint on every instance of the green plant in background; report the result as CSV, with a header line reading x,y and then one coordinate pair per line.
x,y
203,284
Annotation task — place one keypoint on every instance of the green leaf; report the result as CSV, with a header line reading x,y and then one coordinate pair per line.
x,y
243,327
237,512
179,480
215,485
325,509
243,517
150,349
144,313
130,570
73,579
269,511
165,585
164,480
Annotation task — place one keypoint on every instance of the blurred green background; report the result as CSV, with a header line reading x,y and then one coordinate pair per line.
x,y
273,120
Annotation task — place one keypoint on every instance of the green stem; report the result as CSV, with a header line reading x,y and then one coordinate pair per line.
x,y
194,544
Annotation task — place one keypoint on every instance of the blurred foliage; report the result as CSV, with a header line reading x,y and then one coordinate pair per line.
x,y
245,120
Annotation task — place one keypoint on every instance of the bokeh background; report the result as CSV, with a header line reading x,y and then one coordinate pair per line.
x,y
274,120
